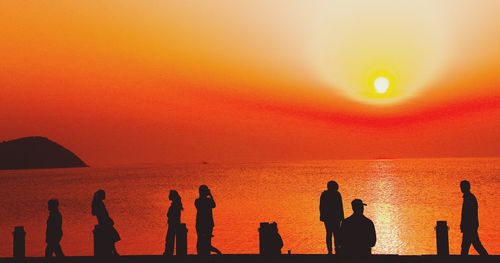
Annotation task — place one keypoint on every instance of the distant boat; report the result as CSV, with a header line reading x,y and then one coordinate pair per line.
x,y
36,153
204,162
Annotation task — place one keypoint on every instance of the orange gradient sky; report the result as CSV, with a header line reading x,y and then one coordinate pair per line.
x,y
122,82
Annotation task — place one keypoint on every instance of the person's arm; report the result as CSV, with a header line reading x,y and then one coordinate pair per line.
x,y
59,221
322,206
341,206
212,200
373,235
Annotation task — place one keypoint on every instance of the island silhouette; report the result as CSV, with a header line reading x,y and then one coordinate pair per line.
x,y
35,153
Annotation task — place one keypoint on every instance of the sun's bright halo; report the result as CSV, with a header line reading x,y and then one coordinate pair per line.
x,y
381,85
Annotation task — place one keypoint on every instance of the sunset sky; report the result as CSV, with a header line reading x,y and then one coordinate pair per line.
x,y
127,82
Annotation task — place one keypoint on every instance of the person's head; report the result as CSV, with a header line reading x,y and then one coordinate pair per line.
x,y
465,186
332,186
358,207
204,191
274,226
53,205
175,198
99,195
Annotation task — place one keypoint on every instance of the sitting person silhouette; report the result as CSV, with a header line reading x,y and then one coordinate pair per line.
x,y
331,214
205,221
53,233
173,221
275,240
357,233
108,232
469,223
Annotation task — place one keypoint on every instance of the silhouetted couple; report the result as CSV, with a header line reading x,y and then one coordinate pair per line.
x,y
204,221
469,222
354,235
105,232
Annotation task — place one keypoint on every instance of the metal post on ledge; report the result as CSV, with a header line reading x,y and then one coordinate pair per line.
x,y
181,241
19,244
442,244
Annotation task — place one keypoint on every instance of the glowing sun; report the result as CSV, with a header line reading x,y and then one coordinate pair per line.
x,y
381,85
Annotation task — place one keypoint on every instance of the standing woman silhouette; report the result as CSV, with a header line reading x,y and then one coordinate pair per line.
x,y
173,221
109,234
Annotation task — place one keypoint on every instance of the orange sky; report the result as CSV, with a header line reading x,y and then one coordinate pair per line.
x,y
122,82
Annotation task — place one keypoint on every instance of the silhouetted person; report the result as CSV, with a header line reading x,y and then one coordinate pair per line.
x,y
331,214
109,234
276,242
469,223
205,221
357,233
173,221
53,234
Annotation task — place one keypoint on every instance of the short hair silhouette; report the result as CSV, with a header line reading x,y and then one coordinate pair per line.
x,y
53,204
332,186
203,190
465,186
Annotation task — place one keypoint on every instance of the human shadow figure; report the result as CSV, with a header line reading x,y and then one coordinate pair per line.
x,y
357,233
469,222
331,214
108,235
275,240
173,221
54,233
205,221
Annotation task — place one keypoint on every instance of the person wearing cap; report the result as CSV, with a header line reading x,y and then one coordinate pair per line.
x,y
469,222
331,214
357,233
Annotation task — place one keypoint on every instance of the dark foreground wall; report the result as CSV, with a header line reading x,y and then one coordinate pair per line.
x,y
264,259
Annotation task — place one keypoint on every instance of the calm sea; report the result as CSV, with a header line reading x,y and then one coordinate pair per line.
x,y
404,197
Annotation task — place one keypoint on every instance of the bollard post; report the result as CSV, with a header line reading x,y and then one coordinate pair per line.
x,y
99,245
263,238
442,244
19,244
181,241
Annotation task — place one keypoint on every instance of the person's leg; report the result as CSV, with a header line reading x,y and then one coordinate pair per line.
x,y
329,232
215,250
58,250
169,241
335,230
114,252
477,244
48,250
209,243
466,242
202,242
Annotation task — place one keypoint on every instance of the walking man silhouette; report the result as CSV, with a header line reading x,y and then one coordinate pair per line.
x,y
331,214
469,223
357,234
205,221
53,233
